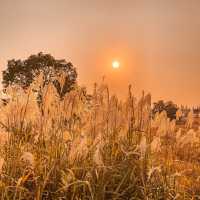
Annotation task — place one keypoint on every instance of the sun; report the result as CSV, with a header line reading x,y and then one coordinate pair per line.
x,y
115,64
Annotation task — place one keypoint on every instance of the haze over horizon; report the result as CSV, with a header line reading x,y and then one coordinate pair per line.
x,y
156,42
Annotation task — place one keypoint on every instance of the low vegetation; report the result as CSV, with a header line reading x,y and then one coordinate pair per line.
x,y
94,146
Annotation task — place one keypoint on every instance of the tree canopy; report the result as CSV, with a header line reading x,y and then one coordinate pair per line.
x,y
168,106
23,72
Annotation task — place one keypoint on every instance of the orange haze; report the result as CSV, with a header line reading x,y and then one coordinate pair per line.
x,y
157,42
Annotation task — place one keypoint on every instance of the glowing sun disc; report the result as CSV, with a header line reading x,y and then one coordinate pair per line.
x,y
115,64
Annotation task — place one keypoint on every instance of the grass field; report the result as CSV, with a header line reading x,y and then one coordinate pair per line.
x,y
102,149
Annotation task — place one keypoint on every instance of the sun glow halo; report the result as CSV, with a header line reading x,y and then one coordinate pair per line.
x,y
115,64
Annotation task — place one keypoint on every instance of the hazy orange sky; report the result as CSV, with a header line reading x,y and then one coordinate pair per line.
x,y
156,41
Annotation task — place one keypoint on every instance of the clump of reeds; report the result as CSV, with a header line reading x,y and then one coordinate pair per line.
x,y
93,146
75,147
